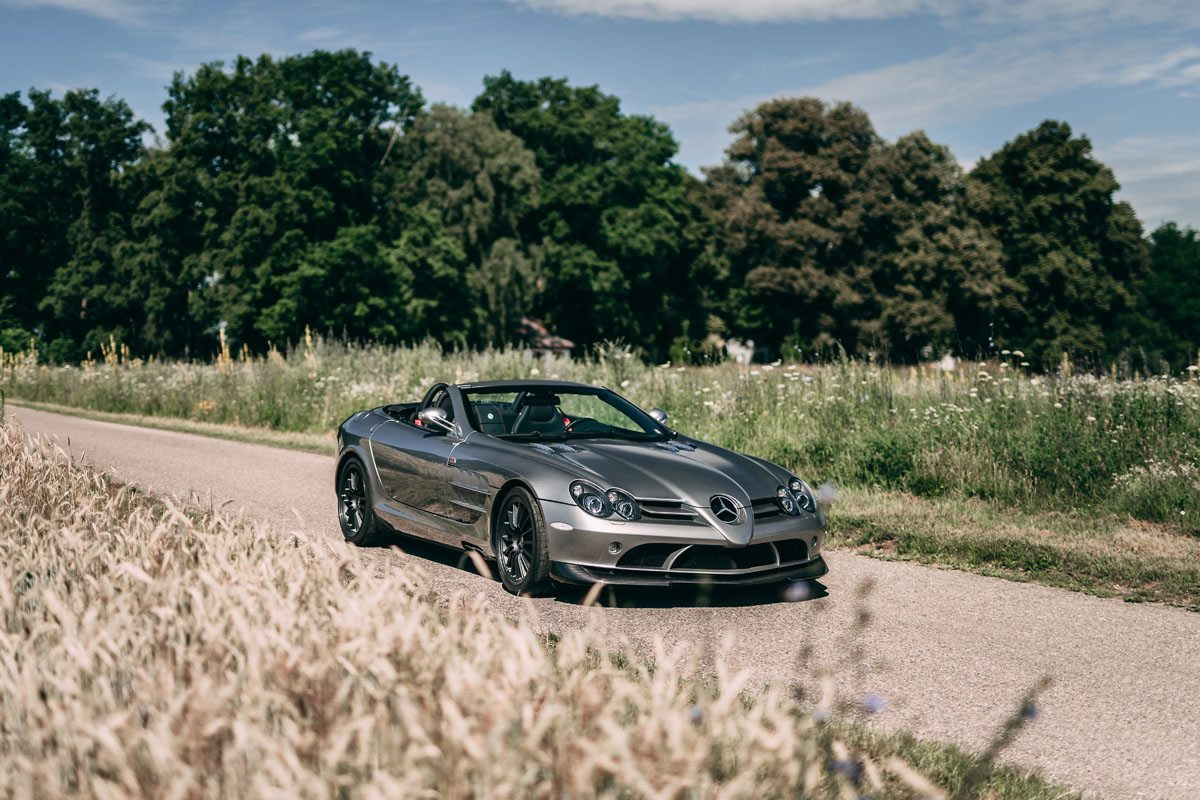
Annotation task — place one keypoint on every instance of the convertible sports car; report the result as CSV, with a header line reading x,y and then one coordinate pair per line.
x,y
570,483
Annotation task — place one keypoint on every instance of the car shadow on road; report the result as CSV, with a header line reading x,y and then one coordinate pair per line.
x,y
701,596
697,596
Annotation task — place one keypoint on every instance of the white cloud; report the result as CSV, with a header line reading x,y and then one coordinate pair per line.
x,y
743,11
1158,176
120,11
1174,68
320,35
1074,14
948,87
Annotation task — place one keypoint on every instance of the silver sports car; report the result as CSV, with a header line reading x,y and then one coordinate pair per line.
x,y
569,483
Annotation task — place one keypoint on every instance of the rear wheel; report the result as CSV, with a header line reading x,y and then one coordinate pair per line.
x,y
522,551
356,513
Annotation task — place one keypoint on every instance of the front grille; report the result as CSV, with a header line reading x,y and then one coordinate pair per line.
x,y
672,510
652,556
792,550
766,508
709,557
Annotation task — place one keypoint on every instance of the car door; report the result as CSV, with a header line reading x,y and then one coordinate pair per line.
x,y
413,466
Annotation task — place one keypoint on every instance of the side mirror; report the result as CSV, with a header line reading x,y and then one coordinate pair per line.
x,y
436,417
659,416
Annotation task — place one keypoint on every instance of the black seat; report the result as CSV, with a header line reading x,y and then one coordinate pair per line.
x,y
539,419
491,420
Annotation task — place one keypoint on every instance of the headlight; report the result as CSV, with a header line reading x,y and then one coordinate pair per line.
x,y
787,501
600,503
624,504
591,499
803,494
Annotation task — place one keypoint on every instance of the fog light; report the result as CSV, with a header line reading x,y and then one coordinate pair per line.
x,y
614,548
816,542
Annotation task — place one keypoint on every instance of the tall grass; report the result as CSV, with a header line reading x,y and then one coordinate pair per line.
x,y
990,430
145,652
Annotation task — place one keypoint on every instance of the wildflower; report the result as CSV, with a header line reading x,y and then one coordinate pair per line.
x,y
1091,418
1029,712
874,703
1019,354
624,384
697,714
1058,405
535,371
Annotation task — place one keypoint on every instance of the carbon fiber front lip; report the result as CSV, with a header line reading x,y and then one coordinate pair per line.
x,y
580,575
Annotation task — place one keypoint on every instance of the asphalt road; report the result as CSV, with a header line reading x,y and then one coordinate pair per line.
x,y
951,653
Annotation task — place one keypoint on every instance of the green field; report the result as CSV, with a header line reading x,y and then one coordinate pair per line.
x,y
1074,480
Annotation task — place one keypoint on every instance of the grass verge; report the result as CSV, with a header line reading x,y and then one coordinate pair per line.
x,y
147,652
321,444
1105,554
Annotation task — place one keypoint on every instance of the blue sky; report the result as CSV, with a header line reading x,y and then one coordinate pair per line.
x,y
972,73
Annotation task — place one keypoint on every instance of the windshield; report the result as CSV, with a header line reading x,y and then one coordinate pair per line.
x,y
541,412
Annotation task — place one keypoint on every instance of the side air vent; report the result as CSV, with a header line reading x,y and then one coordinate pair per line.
x,y
766,508
666,510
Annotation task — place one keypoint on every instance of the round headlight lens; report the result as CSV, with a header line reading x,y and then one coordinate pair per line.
x,y
803,494
591,499
624,504
786,501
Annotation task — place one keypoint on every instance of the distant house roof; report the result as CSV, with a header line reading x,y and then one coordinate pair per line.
x,y
537,336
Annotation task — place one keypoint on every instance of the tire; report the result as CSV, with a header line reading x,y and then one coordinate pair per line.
x,y
356,512
522,548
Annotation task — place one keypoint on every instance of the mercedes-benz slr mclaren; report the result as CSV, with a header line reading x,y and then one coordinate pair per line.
x,y
567,483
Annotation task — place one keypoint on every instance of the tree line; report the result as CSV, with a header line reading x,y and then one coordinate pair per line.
x,y
320,190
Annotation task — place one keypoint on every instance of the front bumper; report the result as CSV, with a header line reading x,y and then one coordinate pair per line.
x,y
586,549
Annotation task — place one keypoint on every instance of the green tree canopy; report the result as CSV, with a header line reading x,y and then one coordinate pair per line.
x,y
836,237
1170,315
273,184
1076,253
474,184
65,197
618,228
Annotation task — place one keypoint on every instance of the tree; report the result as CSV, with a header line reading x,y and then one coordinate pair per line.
x,y
616,221
837,238
1076,254
80,150
476,183
275,178
937,277
1170,316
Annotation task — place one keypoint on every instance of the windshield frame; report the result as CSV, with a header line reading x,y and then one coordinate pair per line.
x,y
652,431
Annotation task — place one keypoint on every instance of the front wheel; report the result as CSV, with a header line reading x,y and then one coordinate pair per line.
x,y
522,551
356,513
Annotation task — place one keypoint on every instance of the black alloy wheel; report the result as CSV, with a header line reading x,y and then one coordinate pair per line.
x,y
355,513
522,551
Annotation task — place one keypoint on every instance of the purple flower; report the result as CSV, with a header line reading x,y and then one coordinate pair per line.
x,y
800,590
697,714
874,702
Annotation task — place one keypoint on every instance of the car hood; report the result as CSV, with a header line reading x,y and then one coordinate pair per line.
x,y
686,470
